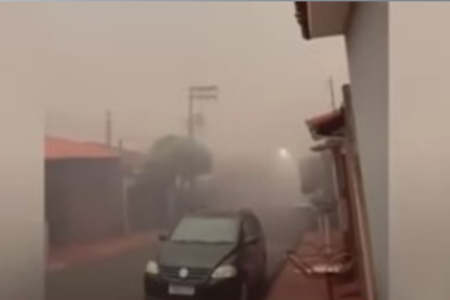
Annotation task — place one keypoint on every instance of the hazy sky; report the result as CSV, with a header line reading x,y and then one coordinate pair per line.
x,y
137,60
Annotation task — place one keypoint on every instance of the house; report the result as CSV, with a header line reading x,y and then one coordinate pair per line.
x,y
83,192
144,207
364,26
334,135
399,63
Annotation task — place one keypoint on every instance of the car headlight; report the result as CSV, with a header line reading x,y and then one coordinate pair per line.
x,y
224,272
152,268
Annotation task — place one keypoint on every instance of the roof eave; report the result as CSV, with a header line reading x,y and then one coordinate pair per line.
x,y
313,125
301,14
322,19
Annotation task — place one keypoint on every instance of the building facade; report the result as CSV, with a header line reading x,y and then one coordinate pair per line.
x,y
83,193
399,62
365,29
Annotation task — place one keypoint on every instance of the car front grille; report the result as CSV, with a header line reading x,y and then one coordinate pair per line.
x,y
194,274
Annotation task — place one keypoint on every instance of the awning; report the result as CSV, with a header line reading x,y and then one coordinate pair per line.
x,y
331,124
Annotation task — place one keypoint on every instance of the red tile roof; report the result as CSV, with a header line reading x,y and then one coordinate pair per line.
x,y
61,148
131,157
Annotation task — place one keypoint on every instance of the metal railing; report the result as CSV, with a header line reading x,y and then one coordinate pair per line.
x,y
324,263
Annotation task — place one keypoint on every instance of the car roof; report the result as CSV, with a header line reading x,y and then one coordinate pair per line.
x,y
229,214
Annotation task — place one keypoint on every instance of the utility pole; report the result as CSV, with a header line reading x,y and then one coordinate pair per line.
x,y
190,118
125,189
108,129
198,93
333,101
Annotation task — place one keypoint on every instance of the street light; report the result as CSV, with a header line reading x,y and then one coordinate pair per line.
x,y
284,154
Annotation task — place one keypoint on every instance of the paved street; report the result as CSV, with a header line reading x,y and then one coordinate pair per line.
x,y
113,278
120,277
243,185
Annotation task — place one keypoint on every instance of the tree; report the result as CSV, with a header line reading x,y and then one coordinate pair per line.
x,y
180,157
172,165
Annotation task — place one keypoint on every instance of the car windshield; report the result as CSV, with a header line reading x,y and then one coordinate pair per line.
x,y
206,230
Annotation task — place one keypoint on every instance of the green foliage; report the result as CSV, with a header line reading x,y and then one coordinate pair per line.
x,y
181,156
173,158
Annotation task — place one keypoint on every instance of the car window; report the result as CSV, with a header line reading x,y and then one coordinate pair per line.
x,y
251,227
206,230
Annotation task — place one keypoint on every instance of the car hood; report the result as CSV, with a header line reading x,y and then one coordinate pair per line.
x,y
195,255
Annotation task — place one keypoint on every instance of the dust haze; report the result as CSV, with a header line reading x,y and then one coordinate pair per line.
x,y
137,60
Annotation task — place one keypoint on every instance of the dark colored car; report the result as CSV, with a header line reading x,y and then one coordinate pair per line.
x,y
210,256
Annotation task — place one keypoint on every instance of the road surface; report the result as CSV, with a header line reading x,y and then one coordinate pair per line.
x,y
239,184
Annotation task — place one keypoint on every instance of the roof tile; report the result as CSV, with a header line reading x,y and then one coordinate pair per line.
x,y
60,148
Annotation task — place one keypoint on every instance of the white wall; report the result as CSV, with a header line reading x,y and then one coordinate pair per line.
x,y
419,151
367,43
